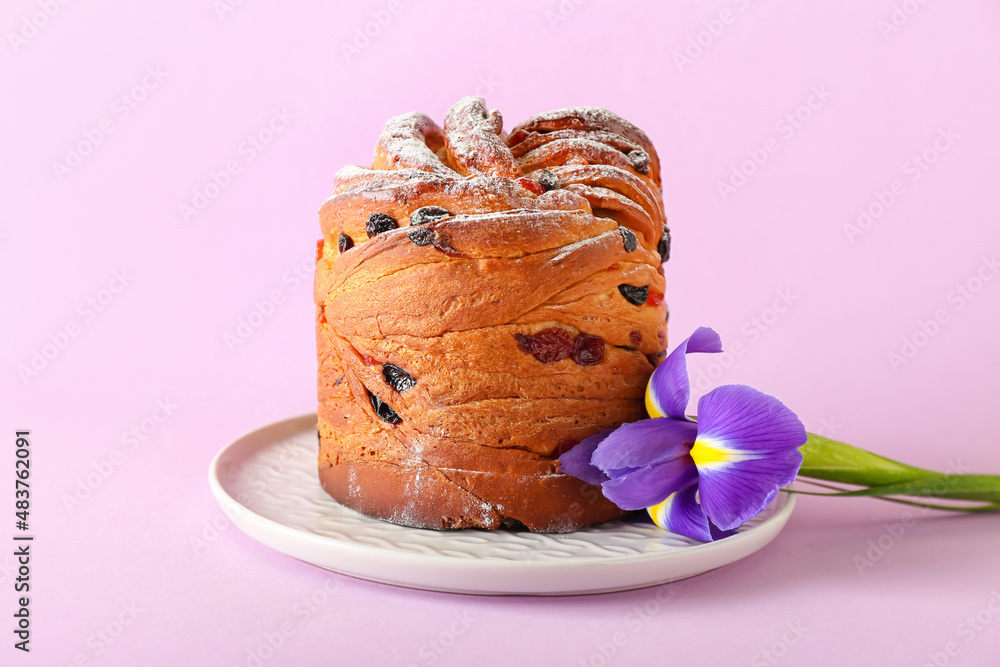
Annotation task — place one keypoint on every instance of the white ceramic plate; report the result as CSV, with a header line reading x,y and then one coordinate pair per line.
x,y
266,482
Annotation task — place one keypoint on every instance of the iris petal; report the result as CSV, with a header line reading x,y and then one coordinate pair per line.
x,y
747,447
669,390
577,461
680,513
643,443
718,533
648,486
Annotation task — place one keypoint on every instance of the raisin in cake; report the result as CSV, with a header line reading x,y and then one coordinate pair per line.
x,y
484,302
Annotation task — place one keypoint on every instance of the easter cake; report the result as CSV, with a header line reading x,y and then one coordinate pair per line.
x,y
484,302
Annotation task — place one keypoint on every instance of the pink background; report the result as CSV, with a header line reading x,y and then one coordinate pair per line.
x,y
184,285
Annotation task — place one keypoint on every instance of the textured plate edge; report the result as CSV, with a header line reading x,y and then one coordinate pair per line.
x,y
483,577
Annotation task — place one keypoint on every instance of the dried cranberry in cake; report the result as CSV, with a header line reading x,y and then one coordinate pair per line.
x,y
588,350
397,378
426,214
634,295
663,247
635,337
345,243
531,185
421,236
384,412
547,179
629,239
640,161
378,223
548,345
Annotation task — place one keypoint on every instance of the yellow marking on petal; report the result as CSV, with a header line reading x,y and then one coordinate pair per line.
x,y
658,513
651,405
708,452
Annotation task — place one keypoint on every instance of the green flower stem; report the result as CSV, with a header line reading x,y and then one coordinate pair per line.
x,y
902,501
833,461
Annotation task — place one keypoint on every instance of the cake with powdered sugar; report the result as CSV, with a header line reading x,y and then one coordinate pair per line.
x,y
484,302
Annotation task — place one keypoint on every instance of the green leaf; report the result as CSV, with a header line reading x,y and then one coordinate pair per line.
x,y
833,461
823,458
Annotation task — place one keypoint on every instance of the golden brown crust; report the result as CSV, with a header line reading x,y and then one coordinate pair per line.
x,y
473,440
410,140
473,143
596,122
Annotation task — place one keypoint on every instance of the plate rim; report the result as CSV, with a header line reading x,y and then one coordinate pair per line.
x,y
245,445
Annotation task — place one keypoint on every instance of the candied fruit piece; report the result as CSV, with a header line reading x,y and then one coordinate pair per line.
x,y
531,185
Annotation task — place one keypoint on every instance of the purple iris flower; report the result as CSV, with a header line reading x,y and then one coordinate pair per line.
x,y
700,479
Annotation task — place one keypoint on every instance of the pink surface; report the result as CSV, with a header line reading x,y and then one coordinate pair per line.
x,y
137,307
